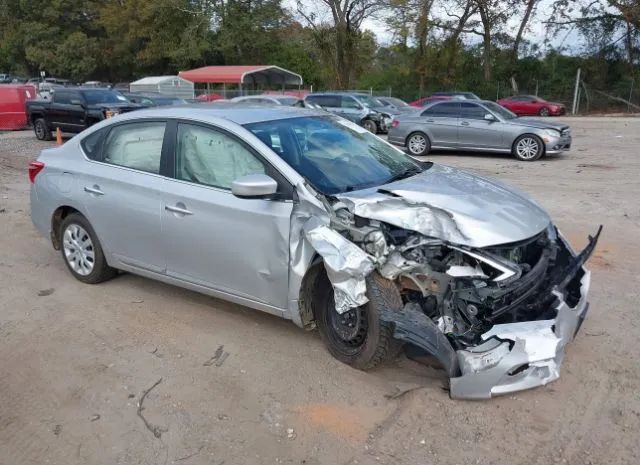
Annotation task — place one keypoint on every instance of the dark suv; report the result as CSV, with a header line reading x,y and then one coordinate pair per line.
x,y
350,107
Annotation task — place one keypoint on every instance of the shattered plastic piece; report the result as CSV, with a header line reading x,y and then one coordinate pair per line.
x,y
458,271
395,265
347,264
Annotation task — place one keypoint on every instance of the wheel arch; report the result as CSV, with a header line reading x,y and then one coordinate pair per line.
x,y
57,217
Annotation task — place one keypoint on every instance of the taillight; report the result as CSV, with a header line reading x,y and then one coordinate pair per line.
x,y
34,168
395,123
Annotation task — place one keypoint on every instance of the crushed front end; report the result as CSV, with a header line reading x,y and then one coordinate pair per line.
x,y
497,318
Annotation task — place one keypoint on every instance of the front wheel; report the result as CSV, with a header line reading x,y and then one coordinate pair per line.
x,y
358,337
82,252
370,126
528,148
544,111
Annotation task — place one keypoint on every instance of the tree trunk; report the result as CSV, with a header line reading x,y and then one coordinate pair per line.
x,y
422,33
523,25
453,40
486,41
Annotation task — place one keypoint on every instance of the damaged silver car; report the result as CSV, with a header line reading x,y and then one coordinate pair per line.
x,y
310,217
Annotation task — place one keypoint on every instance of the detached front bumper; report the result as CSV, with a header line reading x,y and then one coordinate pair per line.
x,y
518,356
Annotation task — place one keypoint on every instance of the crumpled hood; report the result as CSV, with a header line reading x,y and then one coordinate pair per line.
x,y
452,205
536,123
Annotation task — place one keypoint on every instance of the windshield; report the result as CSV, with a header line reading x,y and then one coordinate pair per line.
x,y
333,154
368,101
499,110
103,96
396,101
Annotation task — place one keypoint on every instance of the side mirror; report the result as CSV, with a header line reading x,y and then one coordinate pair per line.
x,y
489,117
254,185
534,101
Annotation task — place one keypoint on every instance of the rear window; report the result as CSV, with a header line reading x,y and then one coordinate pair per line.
x,y
92,144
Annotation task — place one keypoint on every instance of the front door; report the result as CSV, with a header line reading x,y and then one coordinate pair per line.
x,y
238,246
474,132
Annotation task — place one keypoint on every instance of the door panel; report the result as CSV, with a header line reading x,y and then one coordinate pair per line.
x,y
123,206
238,246
442,120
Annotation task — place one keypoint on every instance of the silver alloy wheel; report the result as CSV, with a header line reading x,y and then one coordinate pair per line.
x,y
78,249
527,148
544,112
417,144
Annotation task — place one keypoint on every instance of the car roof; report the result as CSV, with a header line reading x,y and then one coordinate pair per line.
x,y
239,114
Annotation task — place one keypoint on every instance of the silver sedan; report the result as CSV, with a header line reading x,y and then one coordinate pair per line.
x,y
309,217
478,126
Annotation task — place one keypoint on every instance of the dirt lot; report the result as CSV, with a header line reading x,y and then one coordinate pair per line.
x,y
75,360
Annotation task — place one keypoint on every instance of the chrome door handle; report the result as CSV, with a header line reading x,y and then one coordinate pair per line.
x,y
464,123
179,210
430,121
95,190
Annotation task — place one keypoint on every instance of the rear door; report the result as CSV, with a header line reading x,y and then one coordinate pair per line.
x,y
442,120
474,132
122,188
236,246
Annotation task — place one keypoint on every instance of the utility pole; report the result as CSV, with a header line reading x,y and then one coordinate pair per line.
x,y
575,93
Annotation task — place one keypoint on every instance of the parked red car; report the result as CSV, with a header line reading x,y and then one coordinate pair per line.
x,y
13,112
426,100
532,105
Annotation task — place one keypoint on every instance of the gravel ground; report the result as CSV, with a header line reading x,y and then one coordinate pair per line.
x,y
76,361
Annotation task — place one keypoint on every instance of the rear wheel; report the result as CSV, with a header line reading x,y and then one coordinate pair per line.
x,y
358,337
82,252
544,111
418,144
370,126
528,148
41,129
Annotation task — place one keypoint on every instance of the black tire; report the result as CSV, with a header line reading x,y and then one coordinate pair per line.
x,y
523,147
373,342
370,126
544,111
100,270
418,144
41,129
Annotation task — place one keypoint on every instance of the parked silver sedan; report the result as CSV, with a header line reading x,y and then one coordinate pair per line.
x,y
478,126
309,217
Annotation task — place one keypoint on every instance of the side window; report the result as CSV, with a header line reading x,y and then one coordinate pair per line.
x,y
135,145
62,96
92,144
349,102
212,158
472,111
446,110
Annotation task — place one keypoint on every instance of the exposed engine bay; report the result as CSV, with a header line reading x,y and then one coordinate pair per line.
x,y
459,299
